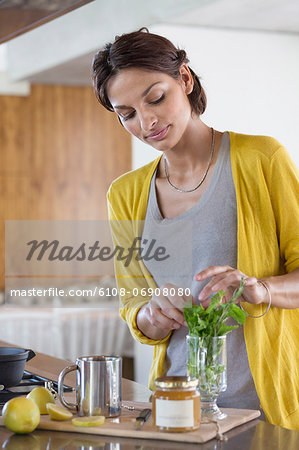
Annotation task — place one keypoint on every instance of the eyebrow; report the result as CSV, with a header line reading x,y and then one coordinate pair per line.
x,y
142,95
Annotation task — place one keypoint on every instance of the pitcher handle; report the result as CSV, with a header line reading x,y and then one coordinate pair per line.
x,y
63,373
31,354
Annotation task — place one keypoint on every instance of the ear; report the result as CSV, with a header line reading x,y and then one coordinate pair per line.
x,y
186,78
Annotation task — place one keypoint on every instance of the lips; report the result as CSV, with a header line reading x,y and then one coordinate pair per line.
x,y
159,134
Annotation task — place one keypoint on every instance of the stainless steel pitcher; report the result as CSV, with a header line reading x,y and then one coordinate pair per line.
x,y
98,386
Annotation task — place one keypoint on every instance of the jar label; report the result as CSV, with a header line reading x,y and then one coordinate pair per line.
x,y
174,413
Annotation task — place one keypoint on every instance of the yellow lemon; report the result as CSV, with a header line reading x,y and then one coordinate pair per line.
x,y
41,396
88,421
57,412
21,415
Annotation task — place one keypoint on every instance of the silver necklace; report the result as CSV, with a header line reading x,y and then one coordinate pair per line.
x,y
204,175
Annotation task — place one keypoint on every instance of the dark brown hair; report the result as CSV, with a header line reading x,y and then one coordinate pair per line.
x,y
147,51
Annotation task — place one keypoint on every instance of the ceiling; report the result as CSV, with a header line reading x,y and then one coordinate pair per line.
x,y
263,15
279,16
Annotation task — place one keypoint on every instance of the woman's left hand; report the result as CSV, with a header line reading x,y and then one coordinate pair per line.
x,y
228,279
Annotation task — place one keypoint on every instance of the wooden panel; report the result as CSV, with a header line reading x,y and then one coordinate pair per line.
x,y
59,152
14,135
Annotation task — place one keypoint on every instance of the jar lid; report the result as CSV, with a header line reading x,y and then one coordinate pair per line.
x,y
176,382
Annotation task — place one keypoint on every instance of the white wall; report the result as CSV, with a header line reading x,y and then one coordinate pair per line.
x,y
251,80
252,85
7,86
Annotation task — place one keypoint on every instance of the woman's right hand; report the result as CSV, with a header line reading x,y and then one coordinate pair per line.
x,y
163,313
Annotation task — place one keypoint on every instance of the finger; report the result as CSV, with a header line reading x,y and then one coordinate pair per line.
x,y
209,287
187,299
211,271
162,305
175,314
159,320
231,279
205,304
171,292
250,281
161,301
171,306
250,284
228,296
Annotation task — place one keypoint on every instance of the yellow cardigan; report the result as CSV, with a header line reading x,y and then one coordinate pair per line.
x,y
267,190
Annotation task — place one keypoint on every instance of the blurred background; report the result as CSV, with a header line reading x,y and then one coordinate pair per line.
x,y
60,150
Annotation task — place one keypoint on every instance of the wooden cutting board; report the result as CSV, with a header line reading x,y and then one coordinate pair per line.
x,y
124,426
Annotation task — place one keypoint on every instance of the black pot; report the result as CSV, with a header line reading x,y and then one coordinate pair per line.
x,y
12,364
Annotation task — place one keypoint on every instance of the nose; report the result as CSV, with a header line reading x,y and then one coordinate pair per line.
x,y
148,120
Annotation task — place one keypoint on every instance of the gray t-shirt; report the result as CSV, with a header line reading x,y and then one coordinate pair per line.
x,y
204,235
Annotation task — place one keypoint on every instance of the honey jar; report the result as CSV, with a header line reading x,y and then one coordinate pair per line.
x,y
176,404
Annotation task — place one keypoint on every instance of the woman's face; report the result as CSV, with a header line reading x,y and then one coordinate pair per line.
x,y
151,105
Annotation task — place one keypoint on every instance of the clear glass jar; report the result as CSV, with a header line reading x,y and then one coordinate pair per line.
x,y
176,404
206,360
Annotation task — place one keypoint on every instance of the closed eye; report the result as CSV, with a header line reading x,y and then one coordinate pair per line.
x,y
159,100
131,115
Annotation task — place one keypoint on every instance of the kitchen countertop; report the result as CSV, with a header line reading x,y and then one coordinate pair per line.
x,y
254,435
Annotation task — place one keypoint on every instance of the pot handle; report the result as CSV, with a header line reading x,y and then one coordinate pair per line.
x,y
71,406
31,354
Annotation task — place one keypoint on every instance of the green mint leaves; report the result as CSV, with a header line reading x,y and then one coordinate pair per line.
x,y
211,321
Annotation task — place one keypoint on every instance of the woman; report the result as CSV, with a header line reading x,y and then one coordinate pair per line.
x,y
241,195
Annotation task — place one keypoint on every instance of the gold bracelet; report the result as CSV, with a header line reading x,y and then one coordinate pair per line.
x,y
269,304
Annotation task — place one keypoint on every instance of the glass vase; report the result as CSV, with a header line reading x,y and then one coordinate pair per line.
x,y
206,360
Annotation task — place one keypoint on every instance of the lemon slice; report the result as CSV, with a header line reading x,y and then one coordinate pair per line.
x,y
88,421
56,412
